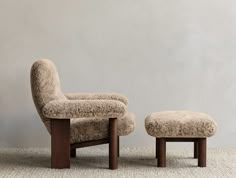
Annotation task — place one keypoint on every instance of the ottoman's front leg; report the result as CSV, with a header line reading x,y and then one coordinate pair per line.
x,y
113,140
202,144
161,152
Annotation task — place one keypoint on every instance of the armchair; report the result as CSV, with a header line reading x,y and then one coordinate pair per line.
x,y
80,119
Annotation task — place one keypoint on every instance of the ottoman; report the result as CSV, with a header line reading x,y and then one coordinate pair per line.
x,y
180,126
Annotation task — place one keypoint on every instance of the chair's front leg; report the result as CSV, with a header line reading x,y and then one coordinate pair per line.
x,y
113,138
60,143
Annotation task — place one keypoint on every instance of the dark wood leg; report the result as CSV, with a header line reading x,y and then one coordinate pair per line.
x,y
161,152
202,143
196,149
60,143
157,145
118,146
73,153
113,137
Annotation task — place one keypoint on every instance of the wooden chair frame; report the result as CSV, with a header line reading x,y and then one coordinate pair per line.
x,y
62,150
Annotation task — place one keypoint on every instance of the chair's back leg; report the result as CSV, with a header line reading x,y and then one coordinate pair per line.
x,y
73,153
157,146
118,146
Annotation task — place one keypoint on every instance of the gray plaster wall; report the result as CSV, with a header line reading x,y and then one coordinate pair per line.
x,y
161,54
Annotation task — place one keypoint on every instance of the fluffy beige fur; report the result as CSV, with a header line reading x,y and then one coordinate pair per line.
x,y
81,129
45,86
180,124
90,112
98,96
62,109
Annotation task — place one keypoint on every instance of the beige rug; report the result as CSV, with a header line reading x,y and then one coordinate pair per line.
x,y
135,162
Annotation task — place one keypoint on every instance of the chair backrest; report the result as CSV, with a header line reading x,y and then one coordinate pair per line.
x,y
45,86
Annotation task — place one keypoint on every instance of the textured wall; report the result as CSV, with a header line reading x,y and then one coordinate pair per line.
x,y
162,54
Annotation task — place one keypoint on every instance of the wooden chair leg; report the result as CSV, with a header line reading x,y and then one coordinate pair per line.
x,y
118,146
60,143
202,144
73,153
113,137
196,149
161,152
157,145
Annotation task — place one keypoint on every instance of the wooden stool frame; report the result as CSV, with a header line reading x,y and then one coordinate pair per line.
x,y
200,149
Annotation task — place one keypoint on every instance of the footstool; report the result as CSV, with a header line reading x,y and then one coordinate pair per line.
x,y
180,126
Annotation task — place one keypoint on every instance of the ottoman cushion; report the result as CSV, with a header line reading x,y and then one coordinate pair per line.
x,y
180,124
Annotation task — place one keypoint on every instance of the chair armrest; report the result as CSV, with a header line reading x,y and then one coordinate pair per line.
x,y
97,96
63,109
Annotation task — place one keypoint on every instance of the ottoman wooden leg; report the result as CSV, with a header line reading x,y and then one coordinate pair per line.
x,y
73,153
161,162
195,149
202,144
113,152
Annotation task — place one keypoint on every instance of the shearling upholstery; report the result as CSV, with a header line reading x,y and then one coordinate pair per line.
x,y
97,96
45,86
62,109
180,124
88,113
86,129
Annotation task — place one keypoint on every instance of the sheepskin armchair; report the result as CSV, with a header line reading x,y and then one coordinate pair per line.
x,y
76,120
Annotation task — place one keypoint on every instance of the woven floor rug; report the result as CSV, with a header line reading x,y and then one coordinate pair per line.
x,y
134,162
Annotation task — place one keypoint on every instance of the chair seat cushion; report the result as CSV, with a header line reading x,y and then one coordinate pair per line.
x,y
180,124
87,129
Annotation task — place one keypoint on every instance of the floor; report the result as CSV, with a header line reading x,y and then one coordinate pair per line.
x,y
134,162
